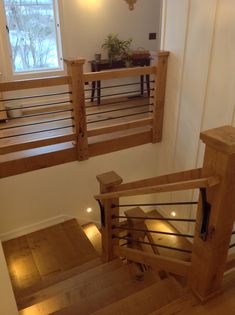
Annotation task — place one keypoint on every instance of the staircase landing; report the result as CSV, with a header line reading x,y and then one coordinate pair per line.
x,y
48,256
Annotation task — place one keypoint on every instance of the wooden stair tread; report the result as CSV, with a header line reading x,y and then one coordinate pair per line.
x,y
119,287
146,300
223,304
42,258
74,283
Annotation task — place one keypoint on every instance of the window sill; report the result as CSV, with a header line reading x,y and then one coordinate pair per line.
x,y
35,75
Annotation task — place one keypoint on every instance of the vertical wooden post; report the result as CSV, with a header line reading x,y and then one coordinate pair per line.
x,y
107,182
75,72
3,114
159,95
209,256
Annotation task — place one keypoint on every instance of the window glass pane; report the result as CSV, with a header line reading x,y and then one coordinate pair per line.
x,y
32,34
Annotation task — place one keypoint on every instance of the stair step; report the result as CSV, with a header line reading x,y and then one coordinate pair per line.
x,y
119,287
144,301
76,282
182,306
48,256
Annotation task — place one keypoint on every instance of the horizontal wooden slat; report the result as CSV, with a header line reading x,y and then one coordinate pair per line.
x,y
183,185
39,158
160,180
168,264
230,262
118,73
120,127
36,143
33,83
119,143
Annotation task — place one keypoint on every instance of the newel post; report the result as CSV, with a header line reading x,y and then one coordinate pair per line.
x,y
107,182
210,255
76,84
159,95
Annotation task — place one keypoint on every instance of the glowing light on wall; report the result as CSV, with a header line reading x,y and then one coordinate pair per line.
x,y
91,5
173,214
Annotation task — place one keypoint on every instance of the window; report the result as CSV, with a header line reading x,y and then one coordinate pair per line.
x,y
34,35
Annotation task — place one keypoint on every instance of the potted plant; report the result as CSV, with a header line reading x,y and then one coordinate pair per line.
x,y
117,49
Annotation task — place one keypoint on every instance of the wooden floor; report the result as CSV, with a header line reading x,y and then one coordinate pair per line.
x,y
47,256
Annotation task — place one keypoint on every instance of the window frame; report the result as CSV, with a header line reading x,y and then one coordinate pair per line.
x,y
7,63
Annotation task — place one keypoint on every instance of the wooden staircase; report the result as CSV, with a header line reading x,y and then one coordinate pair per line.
x,y
87,287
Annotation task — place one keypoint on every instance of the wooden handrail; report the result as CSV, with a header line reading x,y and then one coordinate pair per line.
x,y
118,73
33,83
163,179
172,265
27,145
120,127
181,185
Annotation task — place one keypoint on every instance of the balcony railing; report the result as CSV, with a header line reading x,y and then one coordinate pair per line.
x,y
54,118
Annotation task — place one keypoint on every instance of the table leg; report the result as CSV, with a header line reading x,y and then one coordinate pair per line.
x,y
142,84
93,87
98,91
148,83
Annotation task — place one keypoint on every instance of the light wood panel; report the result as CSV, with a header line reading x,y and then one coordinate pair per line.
x,y
118,73
120,127
33,83
119,143
47,256
189,304
183,185
172,265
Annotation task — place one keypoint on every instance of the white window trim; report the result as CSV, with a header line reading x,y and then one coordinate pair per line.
x,y
6,66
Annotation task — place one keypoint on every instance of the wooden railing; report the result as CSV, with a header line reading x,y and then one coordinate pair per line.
x,y
124,123
213,224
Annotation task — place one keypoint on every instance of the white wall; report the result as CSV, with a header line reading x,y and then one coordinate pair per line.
x,y
200,35
66,190
85,24
7,304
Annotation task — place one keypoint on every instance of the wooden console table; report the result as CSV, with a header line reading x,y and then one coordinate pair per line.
x,y
97,66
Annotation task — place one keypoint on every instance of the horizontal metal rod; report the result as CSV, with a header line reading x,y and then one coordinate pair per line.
x,y
120,109
116,102
124,244
157,204
118,85
33,106
152,244
151,231
231,246
116,94
42,114
153,218
33,96
34,132
111,118
36,123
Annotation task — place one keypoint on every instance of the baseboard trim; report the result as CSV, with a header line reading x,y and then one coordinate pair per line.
x,y
42,225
